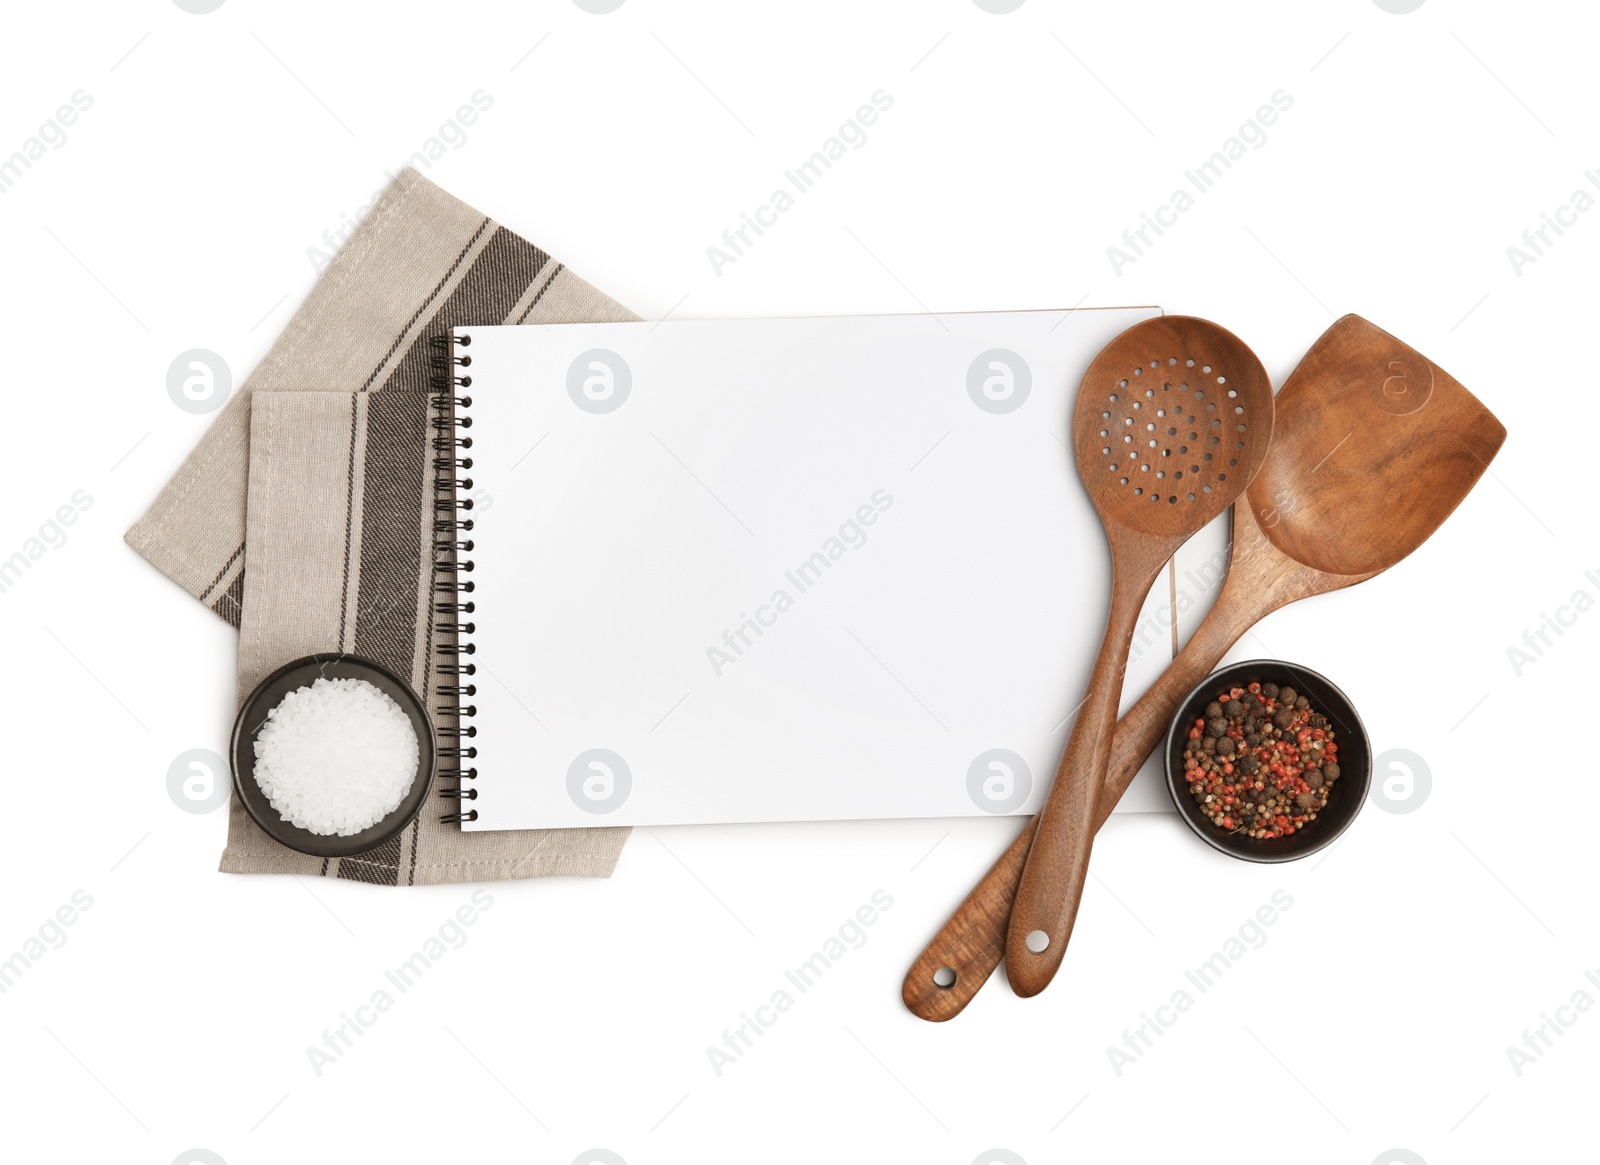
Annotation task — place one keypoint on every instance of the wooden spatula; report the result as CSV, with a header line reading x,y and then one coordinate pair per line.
x,y
1373,447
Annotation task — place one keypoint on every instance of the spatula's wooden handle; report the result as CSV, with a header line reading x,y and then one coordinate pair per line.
x,y
958,962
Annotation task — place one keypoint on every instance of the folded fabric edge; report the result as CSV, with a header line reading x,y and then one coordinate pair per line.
x,y
160,555
595,864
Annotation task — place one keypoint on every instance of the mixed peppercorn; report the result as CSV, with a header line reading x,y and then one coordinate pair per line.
x,y
1260,761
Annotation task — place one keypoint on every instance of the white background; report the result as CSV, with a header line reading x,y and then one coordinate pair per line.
x,y
1379,1010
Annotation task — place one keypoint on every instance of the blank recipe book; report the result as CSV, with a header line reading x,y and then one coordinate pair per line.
x,y
777,570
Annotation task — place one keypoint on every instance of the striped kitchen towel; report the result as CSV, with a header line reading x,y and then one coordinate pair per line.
x,y
304,515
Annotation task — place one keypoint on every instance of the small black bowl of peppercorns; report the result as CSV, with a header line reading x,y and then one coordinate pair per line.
x,y
1268,761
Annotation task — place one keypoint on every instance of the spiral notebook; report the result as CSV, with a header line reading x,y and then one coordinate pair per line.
x,y
770,570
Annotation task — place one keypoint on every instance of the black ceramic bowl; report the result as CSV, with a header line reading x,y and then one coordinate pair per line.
x,y
1345,798
302,673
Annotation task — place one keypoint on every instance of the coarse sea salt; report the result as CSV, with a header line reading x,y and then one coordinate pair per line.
x,y
336,757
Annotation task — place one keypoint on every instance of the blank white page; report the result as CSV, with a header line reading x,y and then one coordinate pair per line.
x,y
781,570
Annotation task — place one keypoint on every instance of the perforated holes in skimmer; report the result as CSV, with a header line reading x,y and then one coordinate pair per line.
x,y
1161,434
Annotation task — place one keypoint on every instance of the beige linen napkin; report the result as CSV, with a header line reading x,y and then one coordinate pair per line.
x,y
329,437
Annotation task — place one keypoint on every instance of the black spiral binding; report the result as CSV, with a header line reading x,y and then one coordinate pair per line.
x,y
452,530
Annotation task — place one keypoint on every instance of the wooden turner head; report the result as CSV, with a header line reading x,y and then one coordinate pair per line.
x,y
1173,419
1374,447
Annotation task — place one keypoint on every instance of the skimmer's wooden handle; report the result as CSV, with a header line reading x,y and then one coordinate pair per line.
x,y
1046,902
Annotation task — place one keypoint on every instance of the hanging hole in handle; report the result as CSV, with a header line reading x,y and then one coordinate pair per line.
x,y
944,977
1037,942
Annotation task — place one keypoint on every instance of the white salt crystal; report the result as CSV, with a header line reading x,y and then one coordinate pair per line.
x,y
336,757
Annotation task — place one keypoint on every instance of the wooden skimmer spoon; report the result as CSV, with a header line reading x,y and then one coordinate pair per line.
x,y
1172,420
1373,448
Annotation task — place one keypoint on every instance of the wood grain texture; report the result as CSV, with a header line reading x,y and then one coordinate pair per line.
x,y
1172,421
1051,884
1352,361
